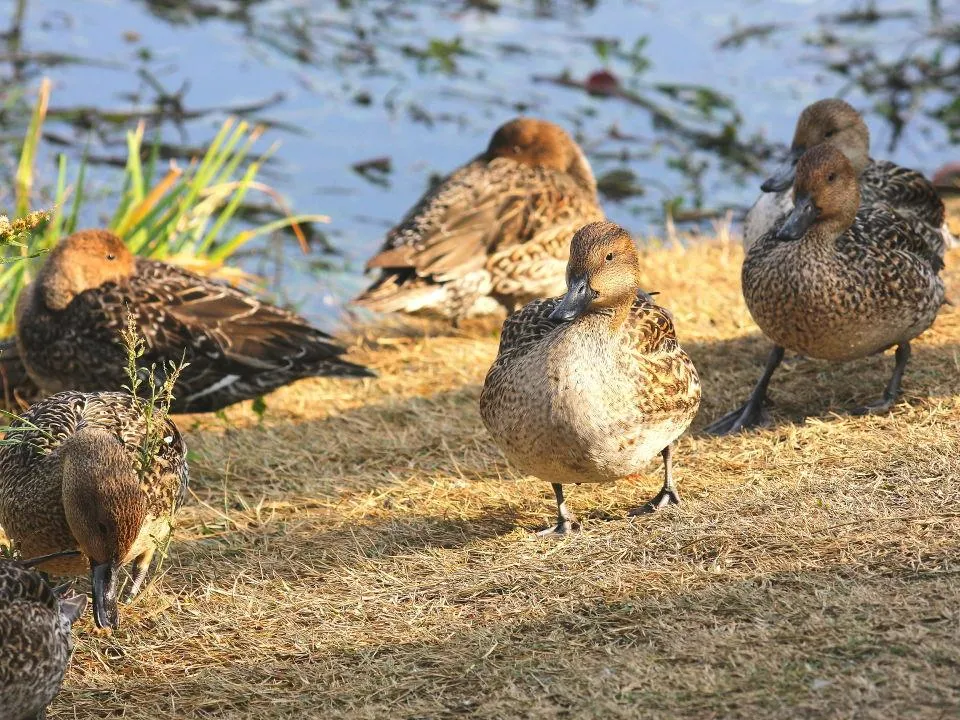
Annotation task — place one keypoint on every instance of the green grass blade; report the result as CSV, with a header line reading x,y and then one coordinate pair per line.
x,y
28,155
224,251
55,226
78,198
135,189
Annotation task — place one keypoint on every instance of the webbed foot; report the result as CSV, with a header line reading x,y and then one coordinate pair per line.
x,y
561,529
748,416
666,496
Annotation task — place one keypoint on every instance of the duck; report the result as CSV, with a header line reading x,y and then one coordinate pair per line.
x,y
235,346
590,386
17,390
836,123
493,234
35,624
838,280
75,478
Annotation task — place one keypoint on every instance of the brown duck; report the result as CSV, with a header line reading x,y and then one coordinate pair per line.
x,y
590,386
238,347
35,641
495,232
836,123
72,478
837,280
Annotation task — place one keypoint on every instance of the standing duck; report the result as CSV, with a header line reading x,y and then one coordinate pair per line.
x,y
836,123
591,386
238,347
35,641
76,479
495,232
837,280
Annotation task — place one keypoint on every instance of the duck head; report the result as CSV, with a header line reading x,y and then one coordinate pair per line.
x,y
85,260
539,143
105,509
603,272
826,194
827,122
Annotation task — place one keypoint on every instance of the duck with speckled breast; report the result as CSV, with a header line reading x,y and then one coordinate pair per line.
x,y
495,233
838,280
590,386
35,640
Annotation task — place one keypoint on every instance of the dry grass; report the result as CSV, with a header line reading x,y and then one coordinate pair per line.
x,y
364,551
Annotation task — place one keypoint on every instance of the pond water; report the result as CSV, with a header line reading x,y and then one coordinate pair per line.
x,y
418,87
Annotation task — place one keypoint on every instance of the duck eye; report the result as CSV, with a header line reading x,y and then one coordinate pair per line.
x,y
831,177
111,256
609,257
830,133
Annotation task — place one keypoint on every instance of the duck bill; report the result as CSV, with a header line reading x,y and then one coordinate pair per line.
x,y
803,215
783,177
103,577
576,301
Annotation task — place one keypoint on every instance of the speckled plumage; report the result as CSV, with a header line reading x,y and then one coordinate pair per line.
x,y
901,189
575,402
237,347
882,182
595,398
874,286
32,511
837,280
35,642
495,232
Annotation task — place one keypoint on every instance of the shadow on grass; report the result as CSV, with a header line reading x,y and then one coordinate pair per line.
x,y
803,388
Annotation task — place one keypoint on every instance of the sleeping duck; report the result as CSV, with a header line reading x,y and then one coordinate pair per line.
x,y
237,347
493,233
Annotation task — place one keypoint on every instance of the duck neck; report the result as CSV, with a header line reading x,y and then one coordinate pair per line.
x,y
822,237
614,316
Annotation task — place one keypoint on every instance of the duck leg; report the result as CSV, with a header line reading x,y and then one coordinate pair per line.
x,y
751,413
892,392
141,569
566,520
668,493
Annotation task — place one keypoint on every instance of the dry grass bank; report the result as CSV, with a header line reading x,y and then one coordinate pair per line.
x,y
364,552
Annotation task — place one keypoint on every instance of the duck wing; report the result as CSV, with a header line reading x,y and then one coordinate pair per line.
x,y
883,227
218,327
481,210
526,327
909,194
667,380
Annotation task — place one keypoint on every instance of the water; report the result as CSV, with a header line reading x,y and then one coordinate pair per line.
x,y
385,80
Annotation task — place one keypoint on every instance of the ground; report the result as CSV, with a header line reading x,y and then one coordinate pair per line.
x,y
366,552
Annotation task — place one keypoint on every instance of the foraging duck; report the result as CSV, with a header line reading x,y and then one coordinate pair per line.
x,y
35,624
836,123
495,232
236,346
839,280
73,480
590,386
